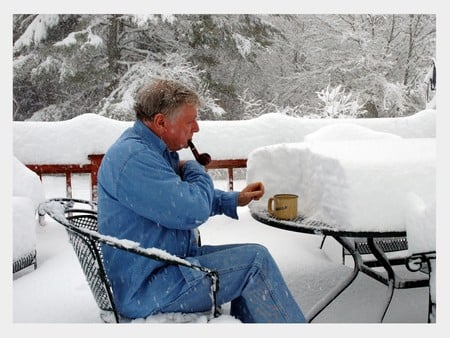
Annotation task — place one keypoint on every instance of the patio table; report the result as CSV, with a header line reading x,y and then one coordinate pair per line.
x,y
344,237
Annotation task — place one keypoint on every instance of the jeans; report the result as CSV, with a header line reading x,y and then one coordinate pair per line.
x,y
249,278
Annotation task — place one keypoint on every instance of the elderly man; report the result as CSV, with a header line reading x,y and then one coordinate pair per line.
x,y
146,194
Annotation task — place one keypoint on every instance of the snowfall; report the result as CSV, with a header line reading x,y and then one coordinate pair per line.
x,y
362,173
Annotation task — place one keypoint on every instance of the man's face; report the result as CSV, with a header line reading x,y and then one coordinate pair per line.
x,y
181,128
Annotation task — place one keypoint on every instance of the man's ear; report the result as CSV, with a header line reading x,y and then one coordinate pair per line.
x,y
159,121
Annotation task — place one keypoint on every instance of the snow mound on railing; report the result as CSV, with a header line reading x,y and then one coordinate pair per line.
x,y
71,141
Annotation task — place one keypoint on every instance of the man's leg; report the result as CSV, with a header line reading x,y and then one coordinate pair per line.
x,y
249,278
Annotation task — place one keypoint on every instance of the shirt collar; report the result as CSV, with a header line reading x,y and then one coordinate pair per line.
x,y
148,135
154,141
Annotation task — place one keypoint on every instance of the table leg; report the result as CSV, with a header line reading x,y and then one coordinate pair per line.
x,y
338,289
382,258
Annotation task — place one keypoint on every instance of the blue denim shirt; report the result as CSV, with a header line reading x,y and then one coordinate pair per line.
x,y
143,196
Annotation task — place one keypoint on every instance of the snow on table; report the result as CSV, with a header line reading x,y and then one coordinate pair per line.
x,y
360,183
421,224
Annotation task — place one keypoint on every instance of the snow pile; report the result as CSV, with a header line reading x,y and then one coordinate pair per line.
x,y
28,192
65,142
24,222
71,141
191,318
364,184
346,132
27,183
349,177
421,224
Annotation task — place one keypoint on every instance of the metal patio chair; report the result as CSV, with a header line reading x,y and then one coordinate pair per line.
x,y
25,261
79,217
422,265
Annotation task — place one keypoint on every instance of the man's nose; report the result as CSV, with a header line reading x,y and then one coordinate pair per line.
x,y
195,127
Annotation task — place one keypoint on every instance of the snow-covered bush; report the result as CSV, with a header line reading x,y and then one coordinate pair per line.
x,y
336,103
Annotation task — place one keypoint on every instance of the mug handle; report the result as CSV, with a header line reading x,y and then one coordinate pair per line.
x,y
269,205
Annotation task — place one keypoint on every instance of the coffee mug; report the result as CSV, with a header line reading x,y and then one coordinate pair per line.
x,y
283,206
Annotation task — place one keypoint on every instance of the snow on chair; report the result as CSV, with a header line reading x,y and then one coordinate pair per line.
x,y
79,217
24,234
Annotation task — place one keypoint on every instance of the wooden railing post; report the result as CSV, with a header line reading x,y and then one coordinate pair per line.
x,y
69,185
230,165
96,160
230,179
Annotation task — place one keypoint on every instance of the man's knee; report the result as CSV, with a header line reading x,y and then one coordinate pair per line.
x,y
261,250
262,254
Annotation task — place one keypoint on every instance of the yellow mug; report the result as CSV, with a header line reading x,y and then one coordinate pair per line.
x,y
283,206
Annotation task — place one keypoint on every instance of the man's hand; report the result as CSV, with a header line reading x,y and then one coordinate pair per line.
x,y
253,191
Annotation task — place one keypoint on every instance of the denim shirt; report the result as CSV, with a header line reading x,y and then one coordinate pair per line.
x,y
144,196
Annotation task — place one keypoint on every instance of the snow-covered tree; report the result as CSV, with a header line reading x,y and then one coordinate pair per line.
x,y
367,54
119,104
67,65
336,103
101,49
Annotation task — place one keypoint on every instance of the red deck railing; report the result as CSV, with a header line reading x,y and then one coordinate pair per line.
x,y
95,160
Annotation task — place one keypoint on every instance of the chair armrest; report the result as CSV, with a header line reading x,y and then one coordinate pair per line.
x,y
415,261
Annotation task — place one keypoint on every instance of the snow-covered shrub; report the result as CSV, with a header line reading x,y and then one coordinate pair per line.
x,y
336,103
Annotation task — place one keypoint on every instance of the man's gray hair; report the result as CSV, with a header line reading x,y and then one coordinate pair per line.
x,y
165,97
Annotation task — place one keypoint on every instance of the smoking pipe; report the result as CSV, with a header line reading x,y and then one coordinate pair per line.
x,y
203,159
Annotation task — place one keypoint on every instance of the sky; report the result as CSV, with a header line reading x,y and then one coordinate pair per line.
x,y
44,296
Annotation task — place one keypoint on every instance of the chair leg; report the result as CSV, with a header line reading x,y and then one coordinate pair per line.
x,y
432,291
323,241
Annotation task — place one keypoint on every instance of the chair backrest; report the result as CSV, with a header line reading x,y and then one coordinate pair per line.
x,y
81,225
79,217
90,257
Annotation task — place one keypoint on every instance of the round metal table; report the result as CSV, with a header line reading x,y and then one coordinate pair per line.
x,y
343,237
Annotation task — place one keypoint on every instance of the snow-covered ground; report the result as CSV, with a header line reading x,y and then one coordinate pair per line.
x,y
56,291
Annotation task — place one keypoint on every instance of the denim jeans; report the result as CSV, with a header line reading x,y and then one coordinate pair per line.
x,y
249,278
